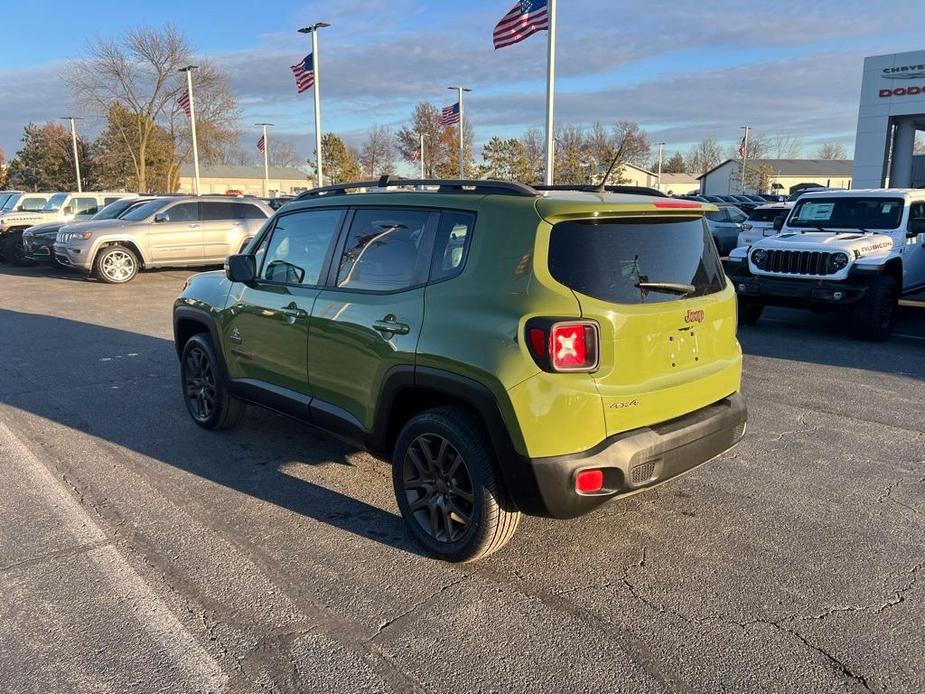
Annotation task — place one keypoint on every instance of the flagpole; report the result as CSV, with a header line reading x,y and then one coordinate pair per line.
x,y
550,93
462,134
192,119
313,30
74,145
422,155
266,160
744,155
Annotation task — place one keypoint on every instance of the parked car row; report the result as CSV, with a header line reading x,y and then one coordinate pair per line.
x,y
113,236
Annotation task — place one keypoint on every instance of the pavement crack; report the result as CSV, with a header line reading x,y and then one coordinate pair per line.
x,y
804,429
51,556
389,623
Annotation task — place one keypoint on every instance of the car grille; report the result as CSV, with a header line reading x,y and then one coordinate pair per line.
x,y
798,262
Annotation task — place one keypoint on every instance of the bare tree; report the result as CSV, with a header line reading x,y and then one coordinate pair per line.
x,y
139,72
601,146
284,153
634,141
377,156
831,150
785,147
535,154
703,156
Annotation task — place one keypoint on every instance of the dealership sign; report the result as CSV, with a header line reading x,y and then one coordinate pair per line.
x,y
903,72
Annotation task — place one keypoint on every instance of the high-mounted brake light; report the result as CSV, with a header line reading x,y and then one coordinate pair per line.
x,y
686,204
563,345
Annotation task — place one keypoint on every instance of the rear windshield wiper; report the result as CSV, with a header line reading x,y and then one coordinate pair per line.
x,y
667,287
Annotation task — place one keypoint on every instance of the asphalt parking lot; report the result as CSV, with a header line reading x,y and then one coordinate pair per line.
x,y
138,552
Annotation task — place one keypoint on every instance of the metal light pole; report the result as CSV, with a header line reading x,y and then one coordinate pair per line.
x,y
316,67
266,159
550,93
462,144
658,180
74,145
192,121
744,153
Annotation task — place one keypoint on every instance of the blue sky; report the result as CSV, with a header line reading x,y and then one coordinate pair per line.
x,y
682,71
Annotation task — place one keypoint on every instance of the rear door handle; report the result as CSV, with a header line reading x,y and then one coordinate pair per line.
x,y
392,327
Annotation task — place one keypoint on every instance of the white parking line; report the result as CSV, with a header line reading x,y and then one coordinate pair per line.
x,y
151,612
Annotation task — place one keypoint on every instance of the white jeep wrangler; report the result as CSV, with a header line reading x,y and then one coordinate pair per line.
x,y
857,250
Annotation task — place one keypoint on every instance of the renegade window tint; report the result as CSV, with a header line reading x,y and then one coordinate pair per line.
x,y
609,259
184,212
452,244
386,250
847,213
212,211
298,246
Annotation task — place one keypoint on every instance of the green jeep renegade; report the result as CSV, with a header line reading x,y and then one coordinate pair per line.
x,y
509,350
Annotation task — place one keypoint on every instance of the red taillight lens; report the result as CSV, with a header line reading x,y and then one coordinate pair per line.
x,y
538,342
573,346
588,481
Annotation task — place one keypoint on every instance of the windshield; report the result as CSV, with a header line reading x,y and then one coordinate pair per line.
x,y
55,202
847,213
3,198
114,209
142,212
11,201
612,260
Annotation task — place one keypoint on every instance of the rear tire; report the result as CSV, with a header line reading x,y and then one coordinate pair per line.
x,y
876,312
452,501
749,312
115,264
205,388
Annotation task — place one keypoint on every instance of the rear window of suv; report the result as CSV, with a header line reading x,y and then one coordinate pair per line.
x,y
608,259
768,215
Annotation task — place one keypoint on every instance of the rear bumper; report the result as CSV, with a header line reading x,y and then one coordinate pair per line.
x,y
639,459
796,293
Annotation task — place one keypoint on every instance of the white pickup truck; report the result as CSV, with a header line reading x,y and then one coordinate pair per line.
x,y
857,251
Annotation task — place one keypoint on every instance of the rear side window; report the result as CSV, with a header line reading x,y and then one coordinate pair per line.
x,y
452,244
246,211
387,250
609,259
768,215
213,211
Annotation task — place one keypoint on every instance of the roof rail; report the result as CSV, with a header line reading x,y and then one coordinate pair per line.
x,y
588,188
443,185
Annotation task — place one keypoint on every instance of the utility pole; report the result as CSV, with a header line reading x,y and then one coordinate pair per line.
x,y
462,135
192,121
658,180
744,153
550,94
316,67
74,145
266,159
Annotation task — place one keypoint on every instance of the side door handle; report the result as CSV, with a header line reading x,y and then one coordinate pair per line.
x,y
293,313
193,226
391,326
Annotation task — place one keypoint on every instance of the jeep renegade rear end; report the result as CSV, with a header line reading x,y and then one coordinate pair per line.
x,y
551,351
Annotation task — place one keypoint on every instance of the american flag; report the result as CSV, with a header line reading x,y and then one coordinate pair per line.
x,y
450,115
742,146
525,19
262,145
184,104
304,74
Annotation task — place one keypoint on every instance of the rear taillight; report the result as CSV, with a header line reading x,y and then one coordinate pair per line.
x,y
558,345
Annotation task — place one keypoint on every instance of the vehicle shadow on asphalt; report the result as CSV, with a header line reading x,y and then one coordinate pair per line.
x,y
123,388
825,340
62,273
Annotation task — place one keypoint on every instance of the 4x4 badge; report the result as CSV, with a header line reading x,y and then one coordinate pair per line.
x,y
694,316
236,336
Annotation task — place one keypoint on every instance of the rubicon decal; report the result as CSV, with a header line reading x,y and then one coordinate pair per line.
x,y
876,246
694,316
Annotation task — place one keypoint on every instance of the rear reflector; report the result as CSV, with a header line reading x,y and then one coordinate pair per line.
x,y
676,204
588,481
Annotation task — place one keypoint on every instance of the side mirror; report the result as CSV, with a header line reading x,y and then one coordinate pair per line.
x,y
68,209
161,217
779,222
241,268
916,227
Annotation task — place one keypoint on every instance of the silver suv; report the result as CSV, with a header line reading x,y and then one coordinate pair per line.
x,y
57,207
165,232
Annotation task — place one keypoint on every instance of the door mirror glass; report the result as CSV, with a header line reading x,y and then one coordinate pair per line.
x,y
779,222
241,268
162,217
68,209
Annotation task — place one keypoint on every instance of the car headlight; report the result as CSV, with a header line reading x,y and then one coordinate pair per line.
x,y
760,257
836,262
77,236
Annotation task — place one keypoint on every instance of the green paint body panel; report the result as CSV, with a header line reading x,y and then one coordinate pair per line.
x,y
653,367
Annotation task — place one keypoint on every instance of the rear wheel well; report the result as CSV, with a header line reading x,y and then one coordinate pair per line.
x,y
128,244
410,402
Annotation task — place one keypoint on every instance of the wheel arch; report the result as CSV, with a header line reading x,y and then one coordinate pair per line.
x,y
128,243
189,321
894,268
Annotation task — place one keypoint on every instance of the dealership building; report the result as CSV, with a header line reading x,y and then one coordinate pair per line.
x,y
245,180
891,112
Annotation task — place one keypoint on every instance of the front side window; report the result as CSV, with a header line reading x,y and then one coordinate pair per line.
x,y
84,205
184,212
33,205
145,210
298,246
847,213
386,250
623,261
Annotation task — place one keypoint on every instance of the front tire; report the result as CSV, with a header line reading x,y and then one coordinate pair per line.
x,y
13,251
749,312
876,312
452,501
205,389
116,264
